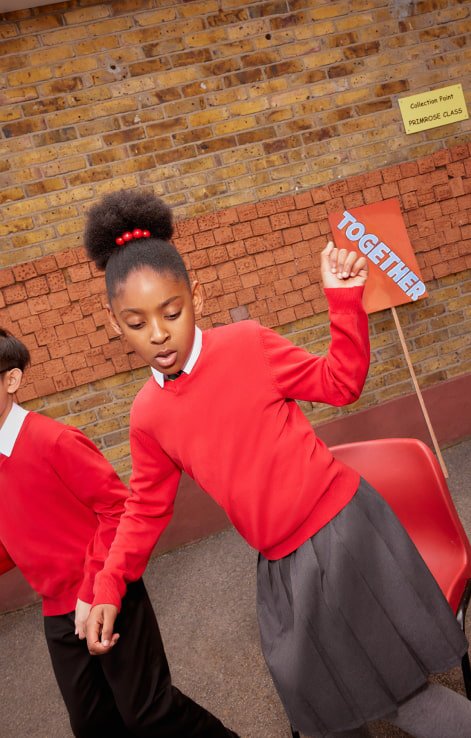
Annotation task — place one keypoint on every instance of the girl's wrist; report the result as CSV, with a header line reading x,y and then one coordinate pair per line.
x,y
344,299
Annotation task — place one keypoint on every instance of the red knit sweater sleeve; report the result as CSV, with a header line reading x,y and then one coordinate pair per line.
x,y
92,479
148,511
5,562
337,378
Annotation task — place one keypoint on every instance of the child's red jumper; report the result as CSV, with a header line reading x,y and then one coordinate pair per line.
x,y
233,426
56,523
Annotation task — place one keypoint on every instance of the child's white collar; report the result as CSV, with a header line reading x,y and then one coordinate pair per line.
x,y
10,430
190,362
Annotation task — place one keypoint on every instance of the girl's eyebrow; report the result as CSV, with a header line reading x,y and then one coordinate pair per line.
x,y
162,305
130,310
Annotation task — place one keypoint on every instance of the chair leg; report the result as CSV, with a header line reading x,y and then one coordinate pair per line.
x,y
461,617
466,668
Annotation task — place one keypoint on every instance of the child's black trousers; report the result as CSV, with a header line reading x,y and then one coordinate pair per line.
x,y
128,692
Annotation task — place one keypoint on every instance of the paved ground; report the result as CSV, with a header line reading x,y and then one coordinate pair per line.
x,y
204,598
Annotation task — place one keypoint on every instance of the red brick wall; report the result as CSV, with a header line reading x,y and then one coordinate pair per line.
x,y
259,261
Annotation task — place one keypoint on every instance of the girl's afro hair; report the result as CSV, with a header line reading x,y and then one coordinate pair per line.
x,y
123,211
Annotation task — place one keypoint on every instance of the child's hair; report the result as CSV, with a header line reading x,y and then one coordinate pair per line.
x,y
123,212
13,353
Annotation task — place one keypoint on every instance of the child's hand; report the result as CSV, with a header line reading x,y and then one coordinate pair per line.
x,y
100,636
82,611
342,268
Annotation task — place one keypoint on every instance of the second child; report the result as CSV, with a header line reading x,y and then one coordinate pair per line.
x,y
60,504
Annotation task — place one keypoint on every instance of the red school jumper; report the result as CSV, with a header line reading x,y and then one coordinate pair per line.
x,y
233,426
60,502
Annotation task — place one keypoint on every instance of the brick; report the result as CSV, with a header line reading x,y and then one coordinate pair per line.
x,y
66,258
459,152
79,273
207,274
275,304
7,277
71,313
14,293
30,325
239,313
59,299
22,272
79,290
227,301
58,349
25,393
100,317
217,255
199,259
223,235
38,304
267,277
13,313
291,235
288,315
37,286
39,355
56,281
44,387
389,189
50,318
204,240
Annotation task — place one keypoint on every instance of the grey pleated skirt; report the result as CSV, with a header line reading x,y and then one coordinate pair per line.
x,y
353,622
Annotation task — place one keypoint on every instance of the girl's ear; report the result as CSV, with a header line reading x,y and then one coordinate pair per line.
x,y
14,377
197,297
113,321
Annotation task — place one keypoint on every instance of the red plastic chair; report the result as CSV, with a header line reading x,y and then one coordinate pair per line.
x,y
406,473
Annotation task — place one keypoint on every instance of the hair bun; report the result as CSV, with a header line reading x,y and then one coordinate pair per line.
x,y
120,212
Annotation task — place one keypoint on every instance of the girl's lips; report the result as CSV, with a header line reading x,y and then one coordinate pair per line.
x,y
166,360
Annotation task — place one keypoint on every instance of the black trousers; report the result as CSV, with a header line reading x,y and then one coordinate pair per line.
x,y
128,692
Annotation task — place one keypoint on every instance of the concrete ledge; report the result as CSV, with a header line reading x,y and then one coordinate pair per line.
x,y
448,405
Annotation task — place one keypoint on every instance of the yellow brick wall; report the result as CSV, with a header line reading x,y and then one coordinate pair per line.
x,y
210,103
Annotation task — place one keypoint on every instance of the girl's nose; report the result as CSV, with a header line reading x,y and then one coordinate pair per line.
x,y
159,333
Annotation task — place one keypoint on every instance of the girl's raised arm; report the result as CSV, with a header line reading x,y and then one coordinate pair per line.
x,y
338,377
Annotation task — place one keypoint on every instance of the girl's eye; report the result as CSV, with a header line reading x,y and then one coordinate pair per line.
x,y
173,316
135,326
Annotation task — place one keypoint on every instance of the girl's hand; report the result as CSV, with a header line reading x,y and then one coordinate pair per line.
x,y
82,611
342,268
100,636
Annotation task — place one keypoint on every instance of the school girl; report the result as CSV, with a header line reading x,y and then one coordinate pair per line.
x,y
60,503
351,620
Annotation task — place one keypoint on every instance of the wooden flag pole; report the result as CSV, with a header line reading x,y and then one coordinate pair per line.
x,y
419,393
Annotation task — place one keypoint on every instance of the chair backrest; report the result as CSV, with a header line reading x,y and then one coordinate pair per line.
x,y
405,472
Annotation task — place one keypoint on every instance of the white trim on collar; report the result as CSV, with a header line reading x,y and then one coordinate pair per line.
x,y
10,430
190,362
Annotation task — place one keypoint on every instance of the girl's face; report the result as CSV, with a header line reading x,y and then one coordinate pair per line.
x,y
156,314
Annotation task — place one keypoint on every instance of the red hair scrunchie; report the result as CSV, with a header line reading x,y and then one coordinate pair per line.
x,y
131,235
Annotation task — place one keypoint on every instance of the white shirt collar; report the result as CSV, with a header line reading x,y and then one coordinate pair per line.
x,y
10,430
190,362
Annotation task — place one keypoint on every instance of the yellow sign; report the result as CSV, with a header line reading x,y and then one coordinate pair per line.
x,y
433,109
